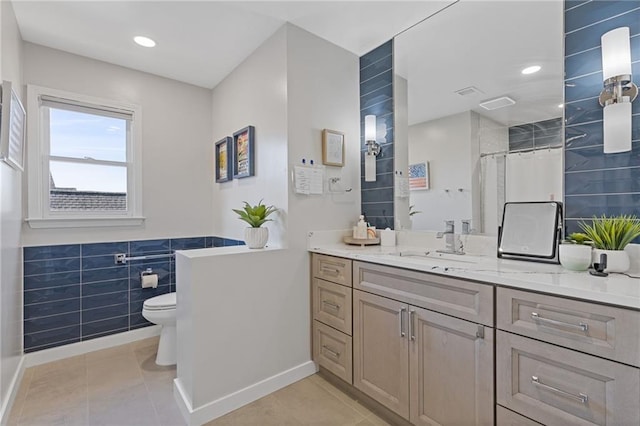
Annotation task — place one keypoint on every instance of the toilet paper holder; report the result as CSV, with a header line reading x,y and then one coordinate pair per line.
x,y
146,272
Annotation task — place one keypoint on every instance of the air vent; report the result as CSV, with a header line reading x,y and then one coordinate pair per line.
x,y
467,91
496,103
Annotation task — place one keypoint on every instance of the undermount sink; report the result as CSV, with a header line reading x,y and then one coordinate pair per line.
x,y
461,258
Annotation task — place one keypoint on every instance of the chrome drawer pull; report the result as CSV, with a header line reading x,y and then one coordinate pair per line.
x,y
582,398
401,314
332,352
411,335
330,271
330,304
582,326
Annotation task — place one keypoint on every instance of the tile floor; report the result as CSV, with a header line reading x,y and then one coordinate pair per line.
x,y
123,386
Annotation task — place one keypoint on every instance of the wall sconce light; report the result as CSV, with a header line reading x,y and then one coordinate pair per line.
x,y
619,91
373,148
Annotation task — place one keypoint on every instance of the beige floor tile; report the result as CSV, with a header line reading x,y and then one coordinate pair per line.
x,y
18,402
130,406
310,403
61,416
113,375
161,394
144,343
267,411
109,353
346,399
373,420
55,389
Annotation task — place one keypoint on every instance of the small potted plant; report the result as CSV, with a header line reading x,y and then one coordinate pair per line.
x,y
610,235
575,252
255,237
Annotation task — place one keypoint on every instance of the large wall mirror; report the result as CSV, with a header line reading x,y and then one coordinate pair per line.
x,y
473,129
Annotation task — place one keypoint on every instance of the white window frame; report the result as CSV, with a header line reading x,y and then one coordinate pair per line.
x,y
38,158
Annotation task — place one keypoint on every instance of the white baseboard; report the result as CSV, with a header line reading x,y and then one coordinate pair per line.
x,y
7,404
221,406
80,348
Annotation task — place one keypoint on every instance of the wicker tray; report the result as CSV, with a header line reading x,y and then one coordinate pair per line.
x,y
361,241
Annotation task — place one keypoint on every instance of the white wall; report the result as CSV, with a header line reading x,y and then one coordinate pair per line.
x,y
445,144
247,316
177,163
10,230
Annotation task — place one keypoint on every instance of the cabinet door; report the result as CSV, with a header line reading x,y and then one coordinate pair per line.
x,y
380,350
451,364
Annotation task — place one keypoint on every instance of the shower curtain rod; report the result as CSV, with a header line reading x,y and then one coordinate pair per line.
x,y
522,151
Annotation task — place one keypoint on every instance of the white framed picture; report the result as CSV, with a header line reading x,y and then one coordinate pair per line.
x,y
419,176
12,128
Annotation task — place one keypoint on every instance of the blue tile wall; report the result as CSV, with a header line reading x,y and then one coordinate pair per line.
x,y
75,292
538,135
376,97
595,183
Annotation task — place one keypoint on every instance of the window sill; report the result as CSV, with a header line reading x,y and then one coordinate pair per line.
x,y
87,222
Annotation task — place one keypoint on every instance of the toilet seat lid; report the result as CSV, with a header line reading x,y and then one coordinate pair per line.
x,y
164,301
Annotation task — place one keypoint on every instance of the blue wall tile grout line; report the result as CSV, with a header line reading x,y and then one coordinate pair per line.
x,y
603,20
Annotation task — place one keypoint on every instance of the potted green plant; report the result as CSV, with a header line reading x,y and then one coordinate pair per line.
x,y
575,252
255,237
610,235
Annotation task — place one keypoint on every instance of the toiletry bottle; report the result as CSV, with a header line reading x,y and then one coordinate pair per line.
x,y
361,229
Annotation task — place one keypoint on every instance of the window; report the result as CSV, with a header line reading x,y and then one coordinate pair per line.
x,y
84,160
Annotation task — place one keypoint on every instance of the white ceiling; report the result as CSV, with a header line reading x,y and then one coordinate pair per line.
x,y
201,42
499,39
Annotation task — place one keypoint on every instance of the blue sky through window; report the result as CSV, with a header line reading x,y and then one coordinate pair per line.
x,y
81,135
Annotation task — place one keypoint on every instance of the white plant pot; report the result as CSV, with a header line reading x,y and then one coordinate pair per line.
x,y
617,260
256,238
575,257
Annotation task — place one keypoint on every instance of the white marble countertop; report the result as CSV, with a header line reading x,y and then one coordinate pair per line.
x,y
616,289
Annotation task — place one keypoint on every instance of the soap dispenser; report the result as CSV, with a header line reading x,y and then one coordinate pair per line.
x,y
361,229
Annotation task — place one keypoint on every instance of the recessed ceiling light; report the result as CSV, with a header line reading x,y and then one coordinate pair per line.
x,y
561,106
144,41
532,69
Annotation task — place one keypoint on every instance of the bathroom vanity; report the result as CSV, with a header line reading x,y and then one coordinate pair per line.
x,y
472,340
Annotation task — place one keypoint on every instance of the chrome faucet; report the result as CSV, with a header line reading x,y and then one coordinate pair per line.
x,y
450,238
466,227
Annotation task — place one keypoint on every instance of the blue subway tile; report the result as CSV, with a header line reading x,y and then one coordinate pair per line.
x,y
382,108
383,94
102,287
96,262
547,142
100,249
187,243
162,269
382,180
97,314
603,181
142,294
34,282
378,210
382,222
51,308
51,345
112,324
39,267
584,87
102,300
50,337
51,252
149,246
553,123
383,165
377,195
584,111
593,158
376,54
376,68
208,242
137,321
587,62
140,325
229,242
105,333
376,82
520,145
36,325
546,132
595,11
589,37
583,135
610,205
218,242
51,294
570,4
105,274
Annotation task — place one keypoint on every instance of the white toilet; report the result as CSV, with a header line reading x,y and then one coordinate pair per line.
x,y
161,310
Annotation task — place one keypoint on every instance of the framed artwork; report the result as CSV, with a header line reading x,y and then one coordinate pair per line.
x,y
419,176
243,153
12,128
332,148
224,150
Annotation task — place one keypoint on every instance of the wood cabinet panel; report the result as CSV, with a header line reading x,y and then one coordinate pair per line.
x,y
558,386
332,305
506,417
606,331
334,269
333,350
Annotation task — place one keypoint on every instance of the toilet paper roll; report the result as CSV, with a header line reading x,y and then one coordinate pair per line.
x,y
369,168
150,281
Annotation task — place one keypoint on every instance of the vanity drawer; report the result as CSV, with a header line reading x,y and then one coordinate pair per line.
x,y
333,350
609,332
460,298
334,269
558,386
506,417
332,305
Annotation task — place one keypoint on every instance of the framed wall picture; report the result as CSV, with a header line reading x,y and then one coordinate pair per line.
x,y
223,152
419,176
332,148
243,153
12,128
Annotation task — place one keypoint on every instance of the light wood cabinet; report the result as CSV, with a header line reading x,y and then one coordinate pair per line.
x,y
506,417
333,350
334,269
332,305
427,367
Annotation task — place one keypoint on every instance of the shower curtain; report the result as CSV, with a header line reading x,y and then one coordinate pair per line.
x,y
492,169
534,176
